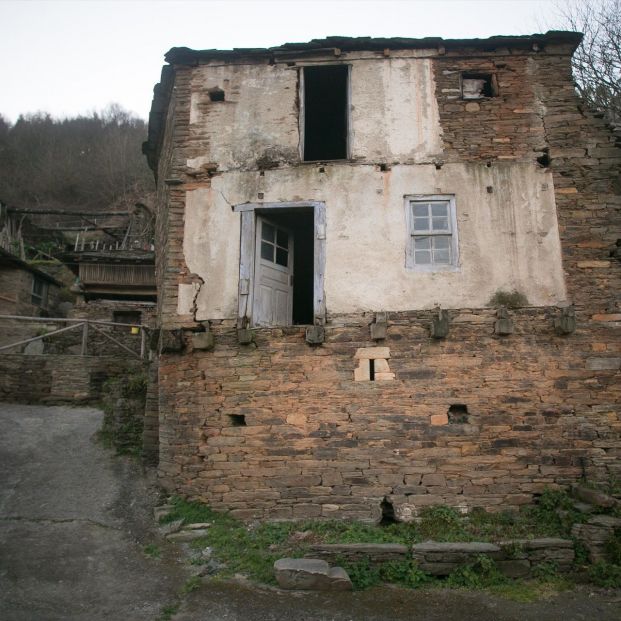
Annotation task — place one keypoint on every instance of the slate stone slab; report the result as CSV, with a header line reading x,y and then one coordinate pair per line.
x,y
374,552
306,574
188,535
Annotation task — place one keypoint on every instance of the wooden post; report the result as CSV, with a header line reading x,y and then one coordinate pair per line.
x,y
84,338
143,341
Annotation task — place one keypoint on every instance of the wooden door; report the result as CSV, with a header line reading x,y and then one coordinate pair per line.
x,y
273,288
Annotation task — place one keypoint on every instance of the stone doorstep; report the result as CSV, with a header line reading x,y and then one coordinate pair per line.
x,y
307,574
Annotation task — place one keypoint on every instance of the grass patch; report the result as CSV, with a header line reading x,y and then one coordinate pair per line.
x,y
152,551
169,611
525,591
251,550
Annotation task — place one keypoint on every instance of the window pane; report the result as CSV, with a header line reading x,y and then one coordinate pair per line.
x,y
422,257
421,210
421,224
268,232
282,257
422,243
441,243
282,239
440,224
267,251
439,209
441,256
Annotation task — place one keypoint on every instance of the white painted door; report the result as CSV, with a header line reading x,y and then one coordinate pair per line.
x,y
273,289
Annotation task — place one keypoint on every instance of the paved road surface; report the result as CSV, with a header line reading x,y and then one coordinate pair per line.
x,y
74,521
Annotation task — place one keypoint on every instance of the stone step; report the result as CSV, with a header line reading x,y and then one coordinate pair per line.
x,y
309,574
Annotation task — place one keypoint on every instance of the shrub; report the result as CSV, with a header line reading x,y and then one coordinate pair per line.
x,y
510,299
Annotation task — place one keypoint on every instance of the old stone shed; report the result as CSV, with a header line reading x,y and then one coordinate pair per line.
x,y
317,204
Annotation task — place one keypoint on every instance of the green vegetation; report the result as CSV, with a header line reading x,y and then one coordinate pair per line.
x,y
152,550
252,549
191,584
122,429
169,611
478,575
510,299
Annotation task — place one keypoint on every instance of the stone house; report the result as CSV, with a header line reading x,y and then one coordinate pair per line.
x,y
25,289
385,276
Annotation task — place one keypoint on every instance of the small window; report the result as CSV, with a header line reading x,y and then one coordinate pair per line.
x,y
478,85
325,115
126,316
432,229
39,292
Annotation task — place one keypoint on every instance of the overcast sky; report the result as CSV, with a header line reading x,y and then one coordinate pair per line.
x,y
75,56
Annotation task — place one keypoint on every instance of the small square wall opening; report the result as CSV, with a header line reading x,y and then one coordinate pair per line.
x,y
238,420
216,94
458,413
478,85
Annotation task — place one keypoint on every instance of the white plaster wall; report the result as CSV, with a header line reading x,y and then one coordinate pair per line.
x,y
393,113
508,239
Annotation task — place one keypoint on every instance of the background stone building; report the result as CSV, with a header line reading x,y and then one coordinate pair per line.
x,y
318,204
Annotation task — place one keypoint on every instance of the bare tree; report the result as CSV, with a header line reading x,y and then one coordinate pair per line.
x,y
597,62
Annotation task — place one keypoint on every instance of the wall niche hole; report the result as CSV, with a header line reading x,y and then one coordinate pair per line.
x,y
372,370
458,413
388,513
238,420
544,159
216,94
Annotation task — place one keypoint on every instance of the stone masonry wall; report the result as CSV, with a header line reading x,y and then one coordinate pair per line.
x,y
57,379
282,430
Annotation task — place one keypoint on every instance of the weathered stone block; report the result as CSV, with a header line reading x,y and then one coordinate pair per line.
x,y
315,335
372,353
203,341
504,324
310,575
379,330
440,325
603,364
245,336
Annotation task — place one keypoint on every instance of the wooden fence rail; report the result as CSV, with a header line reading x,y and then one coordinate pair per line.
x,y
84,325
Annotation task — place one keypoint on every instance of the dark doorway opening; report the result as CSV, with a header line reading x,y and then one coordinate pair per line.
x,y
325,113
301,222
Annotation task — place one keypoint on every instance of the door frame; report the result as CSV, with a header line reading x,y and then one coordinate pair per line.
x,y
247,257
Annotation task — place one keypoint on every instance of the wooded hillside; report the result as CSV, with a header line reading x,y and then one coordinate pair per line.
x,y
87,163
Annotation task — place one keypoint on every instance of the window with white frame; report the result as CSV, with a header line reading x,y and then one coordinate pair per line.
x,y
432,229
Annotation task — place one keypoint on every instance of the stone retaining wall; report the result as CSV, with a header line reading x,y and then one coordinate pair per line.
x,y
58,379
515,559
281,430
